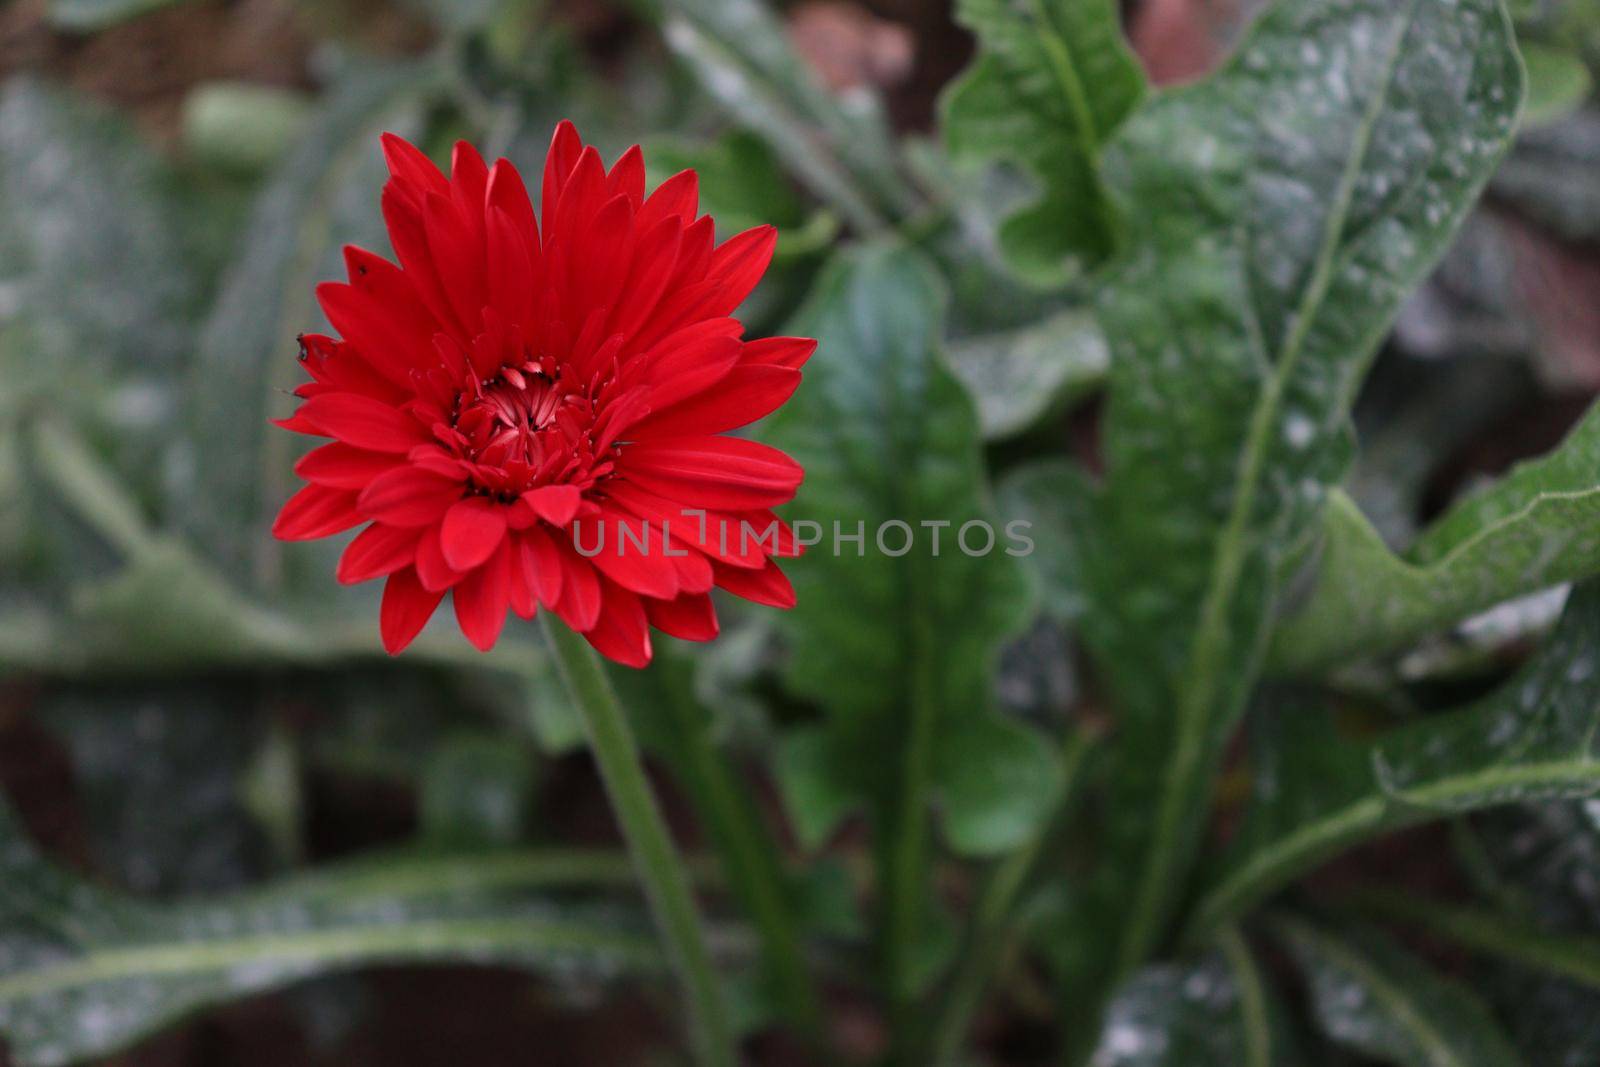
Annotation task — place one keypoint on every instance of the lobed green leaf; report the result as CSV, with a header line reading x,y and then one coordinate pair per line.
x,y
1053,79
1020,377
85,971
886,433
1279,214
1536,737
1537,527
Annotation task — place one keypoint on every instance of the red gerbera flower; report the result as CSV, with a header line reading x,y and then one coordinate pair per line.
x,y
508,386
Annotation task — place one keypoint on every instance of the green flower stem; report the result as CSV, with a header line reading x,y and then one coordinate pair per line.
x,y
990,928
750,859
655,856
904,851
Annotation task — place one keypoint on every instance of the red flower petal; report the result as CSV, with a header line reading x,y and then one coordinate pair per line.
x,y
342,467
739,264
769,585
691,617
316,511
432,571
524,579
677,197
770,534
713,472
373,331
691,360
363,422
409,166
409,496
469,178
295,424
511,278
376,551
410,240
791,352
655,261
622,632
407,607
693,569
714,533
473,528
627,176
743,396
457,258
565,148
599,266
581,197
579,605
555,504
509,194
336,368
544,566
483,598
631,553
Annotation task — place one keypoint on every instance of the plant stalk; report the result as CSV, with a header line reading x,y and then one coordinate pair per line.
x,y
655,857
904,854
991,926
750,859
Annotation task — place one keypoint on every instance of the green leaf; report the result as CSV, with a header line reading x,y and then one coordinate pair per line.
x,y
740,53
886,433
1536,737
1053,79
997,914
322,194
1382,1002
1217,1011
1537,863
99,285
86,972
898,644
1020,377
1491,933
1540,859
1537,527
1278,214
1056,500
91,235
1558,83
163,609
986,296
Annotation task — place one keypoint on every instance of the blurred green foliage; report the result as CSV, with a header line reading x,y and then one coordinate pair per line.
x,y
1158,321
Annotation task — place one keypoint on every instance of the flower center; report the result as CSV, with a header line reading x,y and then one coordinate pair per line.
x,y
502,418
526,426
